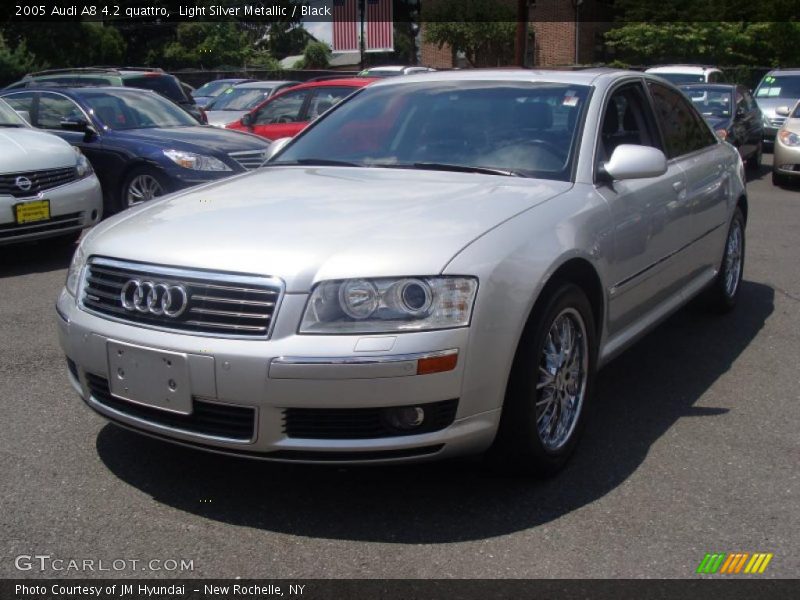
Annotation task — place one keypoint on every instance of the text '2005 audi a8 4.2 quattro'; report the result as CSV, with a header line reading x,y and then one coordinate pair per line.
x,y
437,266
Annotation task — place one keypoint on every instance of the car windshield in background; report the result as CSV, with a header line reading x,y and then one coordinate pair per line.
x,y
9,117
681,78
135,110
526,129
782,86
212,88
238,98
163,84
710,102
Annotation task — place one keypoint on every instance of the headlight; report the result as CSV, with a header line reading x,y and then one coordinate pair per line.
x,y
75,270
84,167
789,138
722,134
386,305
196,162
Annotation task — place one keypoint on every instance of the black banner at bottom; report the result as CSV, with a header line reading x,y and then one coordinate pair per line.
x,y
400,589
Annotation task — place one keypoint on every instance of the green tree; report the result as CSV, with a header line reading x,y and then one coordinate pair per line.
x,y
316,55
72,44
207,45
15,63
482,29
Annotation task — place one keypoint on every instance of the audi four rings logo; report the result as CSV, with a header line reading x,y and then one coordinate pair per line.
x,y
155,298
23,183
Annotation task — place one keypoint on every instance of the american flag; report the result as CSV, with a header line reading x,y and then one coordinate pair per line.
x,y
345,25
379,26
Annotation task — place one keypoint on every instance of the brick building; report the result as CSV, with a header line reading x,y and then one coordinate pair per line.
x,y
554,27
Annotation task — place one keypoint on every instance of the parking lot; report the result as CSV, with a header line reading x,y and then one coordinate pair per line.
x,y
692,448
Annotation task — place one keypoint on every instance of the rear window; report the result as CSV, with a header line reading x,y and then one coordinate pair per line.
x,y
679,78
165,85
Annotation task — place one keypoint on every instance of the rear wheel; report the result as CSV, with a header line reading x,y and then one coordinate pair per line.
x,y
550,386
141,184
724,292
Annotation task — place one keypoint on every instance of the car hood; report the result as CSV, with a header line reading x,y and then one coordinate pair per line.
x,y
306,224
25,149
204,137
220,118
768,105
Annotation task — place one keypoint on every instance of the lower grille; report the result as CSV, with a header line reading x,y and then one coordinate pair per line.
x,y
35,181
777,121
361,423
249,160
69,221
235,423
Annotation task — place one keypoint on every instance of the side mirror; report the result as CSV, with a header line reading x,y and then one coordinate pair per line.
x,y
74,124
782,111
247,120
25,115
276,147
631,161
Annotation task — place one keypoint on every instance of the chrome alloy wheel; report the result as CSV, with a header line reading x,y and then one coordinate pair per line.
x,y
563,369
733,258
142,188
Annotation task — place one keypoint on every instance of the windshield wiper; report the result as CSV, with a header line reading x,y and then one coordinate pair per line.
x,y
434,166
315,162
11,125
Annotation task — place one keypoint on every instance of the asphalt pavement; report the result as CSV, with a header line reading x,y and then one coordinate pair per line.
x,y
692,447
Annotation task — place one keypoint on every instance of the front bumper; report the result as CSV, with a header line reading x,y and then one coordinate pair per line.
x,y
337,380
786,159
74,206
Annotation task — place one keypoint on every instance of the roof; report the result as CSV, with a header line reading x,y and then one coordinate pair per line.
x,y
355,82
578,77
699,69
784,72
710,86
262,84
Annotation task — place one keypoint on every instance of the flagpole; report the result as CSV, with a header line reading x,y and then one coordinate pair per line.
x,y
361,10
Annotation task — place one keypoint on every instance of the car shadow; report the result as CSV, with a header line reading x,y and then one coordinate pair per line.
x,y
764,170
640,396
35,257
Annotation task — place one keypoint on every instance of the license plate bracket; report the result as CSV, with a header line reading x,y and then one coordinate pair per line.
x,y
149,376
32,212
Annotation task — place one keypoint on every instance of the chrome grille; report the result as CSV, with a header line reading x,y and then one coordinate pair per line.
x,y
218,304
61,222
251,159
40,181
777,121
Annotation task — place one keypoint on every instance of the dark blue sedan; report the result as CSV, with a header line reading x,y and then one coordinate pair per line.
x,y
140,144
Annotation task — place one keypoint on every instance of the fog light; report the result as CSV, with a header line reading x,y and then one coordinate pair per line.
x,y
787,167
404,417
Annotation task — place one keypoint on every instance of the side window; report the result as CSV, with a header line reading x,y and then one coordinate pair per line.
x,y
749,101
684,130
325,98
21,101
285,109
53,109
627,120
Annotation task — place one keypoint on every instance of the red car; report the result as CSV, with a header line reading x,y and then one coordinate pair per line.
x,y
288,113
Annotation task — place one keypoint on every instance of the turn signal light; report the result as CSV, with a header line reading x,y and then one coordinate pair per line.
x,y
437,364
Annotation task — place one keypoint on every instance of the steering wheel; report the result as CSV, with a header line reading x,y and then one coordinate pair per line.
x,y
284,119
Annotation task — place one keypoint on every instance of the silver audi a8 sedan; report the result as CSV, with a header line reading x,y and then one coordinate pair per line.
x,y
438,266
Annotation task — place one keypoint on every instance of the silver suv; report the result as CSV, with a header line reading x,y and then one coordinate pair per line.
x,y
47,188
437,266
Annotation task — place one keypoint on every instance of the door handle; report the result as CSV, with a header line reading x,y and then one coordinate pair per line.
x,y
678,186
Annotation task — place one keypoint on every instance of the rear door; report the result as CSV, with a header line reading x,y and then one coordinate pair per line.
x,y
708,165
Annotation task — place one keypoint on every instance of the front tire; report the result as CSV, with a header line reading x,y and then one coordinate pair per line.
x,y
724,292
141,185
550,386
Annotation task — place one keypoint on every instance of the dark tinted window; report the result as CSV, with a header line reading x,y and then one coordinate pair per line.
x,y
627,120
683,129
54,108
165,85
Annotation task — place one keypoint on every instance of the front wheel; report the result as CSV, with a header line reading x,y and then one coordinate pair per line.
x,y
550,386
141,184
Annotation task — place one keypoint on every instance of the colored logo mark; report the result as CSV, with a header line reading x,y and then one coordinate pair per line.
x,y
733,563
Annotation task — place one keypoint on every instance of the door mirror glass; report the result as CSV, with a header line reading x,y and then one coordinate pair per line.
x,y
631,161
247,120
74,124
782,111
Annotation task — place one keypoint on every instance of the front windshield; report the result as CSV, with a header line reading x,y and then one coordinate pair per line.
x,y
781,86
711,102
522,128
212,88
123,110
9,117
239,98
679,78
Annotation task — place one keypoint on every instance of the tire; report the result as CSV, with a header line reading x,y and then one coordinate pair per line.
x,y
754,161
724,291
537,435
141,184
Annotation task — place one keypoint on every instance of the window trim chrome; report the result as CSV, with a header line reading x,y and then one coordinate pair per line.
x,y
179,272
